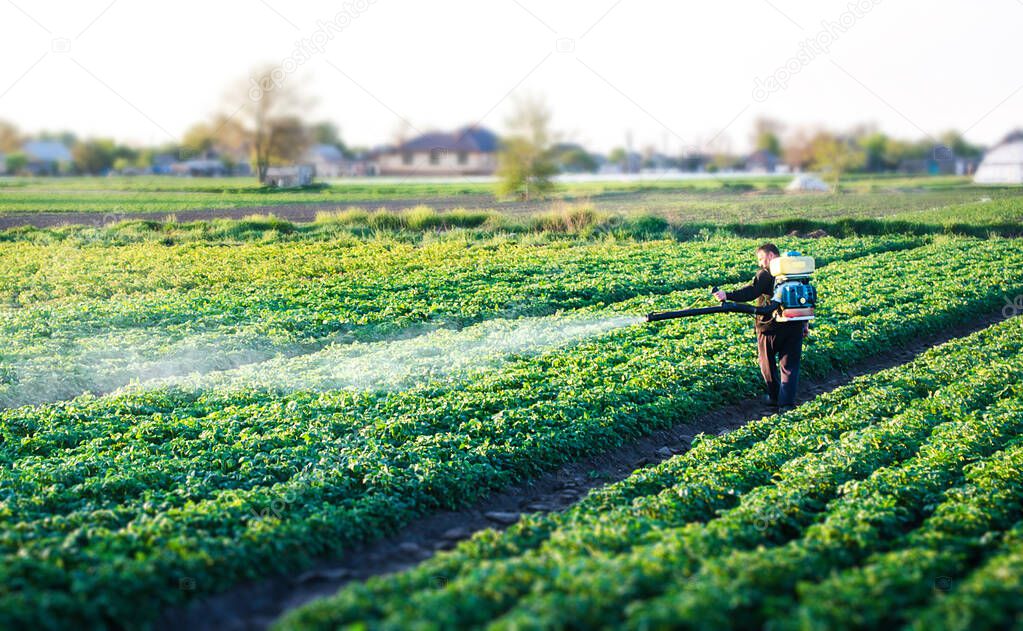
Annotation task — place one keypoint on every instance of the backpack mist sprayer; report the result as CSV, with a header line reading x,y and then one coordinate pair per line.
x,y
793,299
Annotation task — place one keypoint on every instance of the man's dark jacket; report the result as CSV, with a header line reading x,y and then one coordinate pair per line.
x,y
762,288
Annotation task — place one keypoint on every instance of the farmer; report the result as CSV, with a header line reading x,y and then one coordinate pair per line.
x,y
779,344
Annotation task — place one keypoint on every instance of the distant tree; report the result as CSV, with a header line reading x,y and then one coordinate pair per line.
x,y
725,161
875,149
881,152
768,142
145,158
958,146
897,151
766,135
129,154
721,154
834,156
223,135
10,138
66,138
576,160
94,156
525,165
15,162
271,119
198,140
327,133
287,140
798,149
619,156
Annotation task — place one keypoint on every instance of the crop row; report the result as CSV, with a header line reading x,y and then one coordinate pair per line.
x,y
987,598
107,499
94,318
872,515
872,484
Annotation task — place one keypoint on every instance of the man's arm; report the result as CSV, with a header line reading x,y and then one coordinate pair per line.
x,y
761,285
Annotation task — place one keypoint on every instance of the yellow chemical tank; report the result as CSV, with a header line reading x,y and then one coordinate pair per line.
x,y
791,265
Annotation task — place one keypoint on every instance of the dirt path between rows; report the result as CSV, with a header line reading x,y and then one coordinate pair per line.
x,y
297,212
255,605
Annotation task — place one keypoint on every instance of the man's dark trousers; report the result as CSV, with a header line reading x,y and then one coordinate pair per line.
x,y
779,350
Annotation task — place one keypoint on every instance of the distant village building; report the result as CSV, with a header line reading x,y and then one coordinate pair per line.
x,y
695,161
208,164
327,160
46,157
200,167
163,164
631,162
467,151
330,162
762,161
940,161
656,162
290,176
1004,163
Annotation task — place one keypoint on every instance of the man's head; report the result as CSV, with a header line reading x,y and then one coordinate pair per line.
x,y
766,253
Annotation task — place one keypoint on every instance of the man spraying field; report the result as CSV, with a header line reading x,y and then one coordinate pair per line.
x,y
779,343
785,304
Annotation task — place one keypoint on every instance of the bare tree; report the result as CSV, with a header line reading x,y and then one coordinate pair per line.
x,y
272,119
10,138
798,149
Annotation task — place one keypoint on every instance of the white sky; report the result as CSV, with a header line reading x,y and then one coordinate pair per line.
x,y
675,74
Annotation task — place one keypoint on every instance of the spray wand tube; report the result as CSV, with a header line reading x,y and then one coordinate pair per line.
x,y
724,307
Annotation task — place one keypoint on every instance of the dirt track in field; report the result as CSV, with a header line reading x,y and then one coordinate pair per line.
x,y
297,213
255,605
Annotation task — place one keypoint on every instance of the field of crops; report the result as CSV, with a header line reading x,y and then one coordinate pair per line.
x,y
206,411
863,508
76,320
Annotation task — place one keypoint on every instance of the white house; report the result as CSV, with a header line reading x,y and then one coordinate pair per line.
x,y
46,157
292,176
1004,163
466,151
326,159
